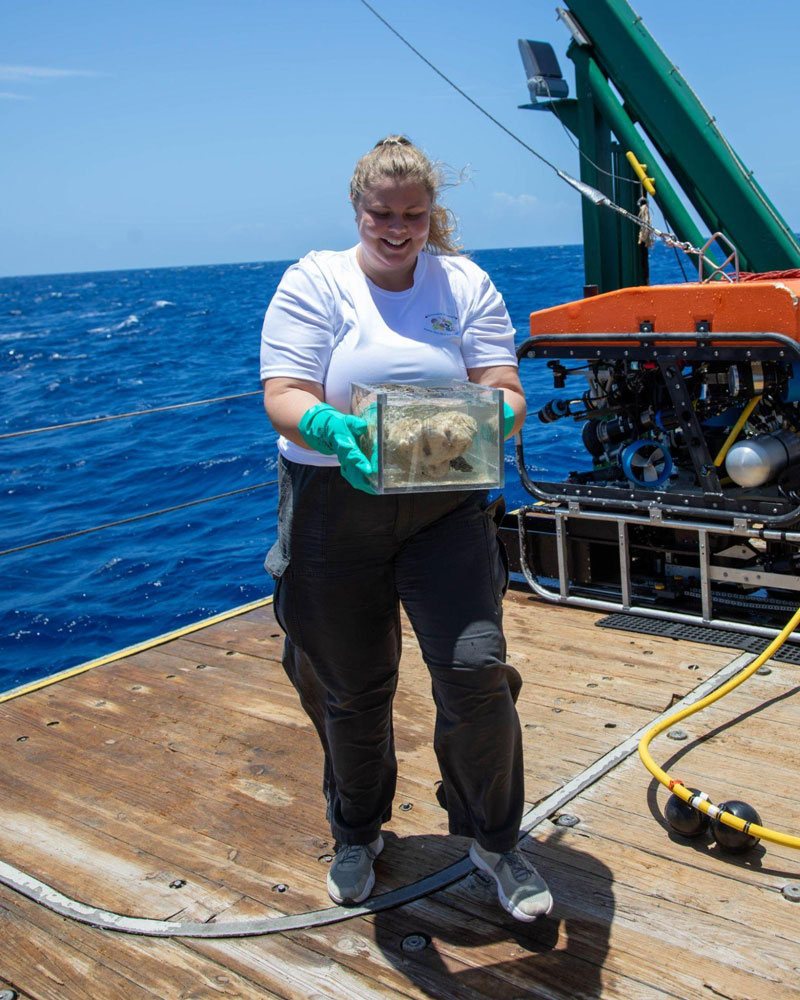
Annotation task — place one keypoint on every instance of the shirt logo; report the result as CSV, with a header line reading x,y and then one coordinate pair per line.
x,y
442,324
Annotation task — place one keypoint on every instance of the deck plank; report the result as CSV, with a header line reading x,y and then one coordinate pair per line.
x,y
192,761
96,966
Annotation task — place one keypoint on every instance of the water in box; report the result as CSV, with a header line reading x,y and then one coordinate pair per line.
x,y
432,435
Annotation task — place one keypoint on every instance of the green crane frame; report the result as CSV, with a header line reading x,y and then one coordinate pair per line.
x,y
617,49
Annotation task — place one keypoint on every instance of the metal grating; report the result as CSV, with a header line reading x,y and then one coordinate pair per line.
x,y
698,633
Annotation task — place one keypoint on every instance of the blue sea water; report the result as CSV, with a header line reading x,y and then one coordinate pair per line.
x,y
78,346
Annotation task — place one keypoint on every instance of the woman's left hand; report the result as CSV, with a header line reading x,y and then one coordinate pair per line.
x,y
505,377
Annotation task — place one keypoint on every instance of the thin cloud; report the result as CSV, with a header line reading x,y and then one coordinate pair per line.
x,y
524,203
25,73
6,95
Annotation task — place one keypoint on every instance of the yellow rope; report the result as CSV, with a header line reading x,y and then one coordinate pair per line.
x,y
130,650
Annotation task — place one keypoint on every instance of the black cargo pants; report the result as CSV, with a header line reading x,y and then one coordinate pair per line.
x,y
342,563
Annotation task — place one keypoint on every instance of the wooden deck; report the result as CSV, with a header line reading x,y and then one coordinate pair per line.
x,y
183,782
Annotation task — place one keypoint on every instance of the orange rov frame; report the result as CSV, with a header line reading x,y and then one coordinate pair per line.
x,y
721,307
674,372
649,520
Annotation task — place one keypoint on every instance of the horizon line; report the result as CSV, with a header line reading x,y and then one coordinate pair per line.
x,y
245,263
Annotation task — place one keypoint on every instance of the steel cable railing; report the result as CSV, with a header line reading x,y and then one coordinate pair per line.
x,y
136,517
121,416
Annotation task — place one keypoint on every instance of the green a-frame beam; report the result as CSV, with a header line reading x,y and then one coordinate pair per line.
x,y
612,46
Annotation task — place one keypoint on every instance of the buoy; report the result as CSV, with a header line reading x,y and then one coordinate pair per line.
x,y
727,837
683,818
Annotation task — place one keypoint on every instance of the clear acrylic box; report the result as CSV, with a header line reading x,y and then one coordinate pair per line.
x,y
432,435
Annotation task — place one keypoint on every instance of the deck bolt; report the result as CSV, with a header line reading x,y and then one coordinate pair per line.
x,y
677,734
179,883
764,671
790,892
21,739
280,887
406,806
415,942
566,819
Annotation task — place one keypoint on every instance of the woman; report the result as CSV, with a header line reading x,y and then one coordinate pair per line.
x,y
345,557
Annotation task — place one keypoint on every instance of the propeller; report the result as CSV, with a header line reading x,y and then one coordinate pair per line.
x,y
646,463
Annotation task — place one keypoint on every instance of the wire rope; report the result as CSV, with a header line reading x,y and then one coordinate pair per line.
x,y
680,264
463,93
122,416
586,190
136,517
576,144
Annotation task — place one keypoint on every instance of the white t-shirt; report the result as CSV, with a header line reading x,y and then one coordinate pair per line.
x,y
328,323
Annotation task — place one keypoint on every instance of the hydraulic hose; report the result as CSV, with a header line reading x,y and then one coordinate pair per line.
x,y
743,418
699,800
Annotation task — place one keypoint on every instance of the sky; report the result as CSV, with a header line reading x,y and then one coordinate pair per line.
x,y
179,132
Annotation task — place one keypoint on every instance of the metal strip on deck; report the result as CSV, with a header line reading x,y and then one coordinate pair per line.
x,y
706,634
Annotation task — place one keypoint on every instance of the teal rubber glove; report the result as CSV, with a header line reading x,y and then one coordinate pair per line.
x,y
508,420
331,432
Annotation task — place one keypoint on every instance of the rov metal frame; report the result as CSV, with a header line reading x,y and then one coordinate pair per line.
x,y
718,270
708,571
654,508
657,347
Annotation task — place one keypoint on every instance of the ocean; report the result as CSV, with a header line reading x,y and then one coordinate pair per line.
x,y
79,346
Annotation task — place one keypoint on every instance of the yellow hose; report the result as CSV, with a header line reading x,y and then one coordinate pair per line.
x,y
735,430
697,799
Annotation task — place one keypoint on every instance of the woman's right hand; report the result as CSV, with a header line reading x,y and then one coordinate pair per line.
x,y
294,406
332,432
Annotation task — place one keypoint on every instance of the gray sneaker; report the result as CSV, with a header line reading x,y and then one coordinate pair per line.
x,y
350,877
521,889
